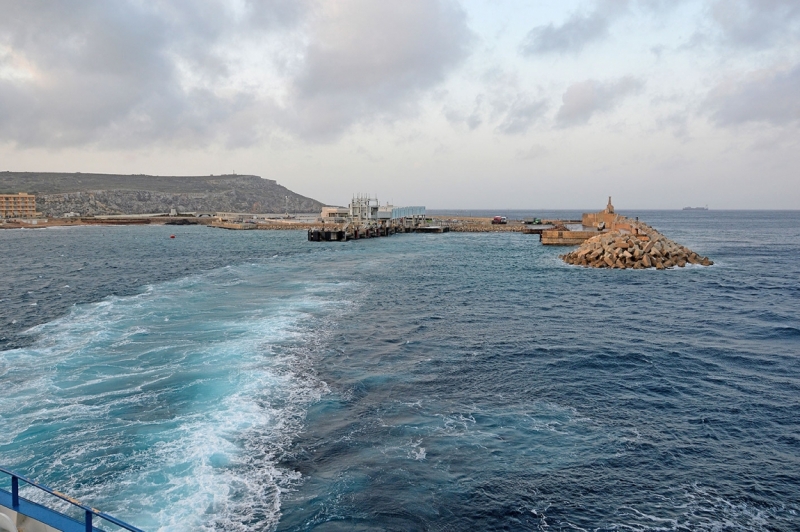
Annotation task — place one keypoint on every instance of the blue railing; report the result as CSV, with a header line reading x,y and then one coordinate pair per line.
x,y
52,517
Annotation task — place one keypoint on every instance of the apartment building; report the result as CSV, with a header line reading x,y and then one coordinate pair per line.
x,y
20,205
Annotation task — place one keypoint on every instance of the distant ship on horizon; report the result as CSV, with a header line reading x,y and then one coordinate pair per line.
x,y
696,208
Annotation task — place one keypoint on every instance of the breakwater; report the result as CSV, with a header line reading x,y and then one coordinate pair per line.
x,y
476,224
637,247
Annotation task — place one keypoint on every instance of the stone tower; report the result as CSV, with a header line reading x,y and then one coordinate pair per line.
x,y
609,207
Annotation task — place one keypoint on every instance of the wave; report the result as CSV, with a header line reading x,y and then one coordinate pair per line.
x,y
171,408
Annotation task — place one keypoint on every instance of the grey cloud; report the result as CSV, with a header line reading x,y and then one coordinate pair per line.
x,y
536,151
572,36
108,73
584,99
371,61
475,119
658,8
756,23
94,63
586,27
768,96
578,31
522,114
454,116
698,39
657,51
677,122
131,73
472,120
508,106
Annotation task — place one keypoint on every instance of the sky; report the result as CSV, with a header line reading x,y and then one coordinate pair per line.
x,y
450,104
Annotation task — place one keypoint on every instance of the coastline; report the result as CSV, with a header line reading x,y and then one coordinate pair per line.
x,y
458,224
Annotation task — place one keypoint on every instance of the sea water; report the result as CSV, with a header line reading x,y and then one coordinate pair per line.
x,y
251,380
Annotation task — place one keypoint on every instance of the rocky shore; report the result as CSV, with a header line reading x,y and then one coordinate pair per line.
x,y
639,248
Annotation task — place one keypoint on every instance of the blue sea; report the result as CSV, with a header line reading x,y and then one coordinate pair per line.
x,y
251,380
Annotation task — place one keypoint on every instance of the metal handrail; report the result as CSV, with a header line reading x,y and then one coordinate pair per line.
x,y
89,512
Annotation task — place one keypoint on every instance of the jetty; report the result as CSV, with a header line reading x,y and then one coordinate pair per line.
x,y
232,225
365,217
562,236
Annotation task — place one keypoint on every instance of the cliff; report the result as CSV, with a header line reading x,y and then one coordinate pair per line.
x,y
98,194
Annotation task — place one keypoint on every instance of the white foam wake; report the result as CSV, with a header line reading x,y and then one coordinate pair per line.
x,y
171,408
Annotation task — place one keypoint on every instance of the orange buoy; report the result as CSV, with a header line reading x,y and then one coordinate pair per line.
x,y
172,236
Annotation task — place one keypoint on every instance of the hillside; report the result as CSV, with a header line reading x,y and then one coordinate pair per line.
x,y
98,194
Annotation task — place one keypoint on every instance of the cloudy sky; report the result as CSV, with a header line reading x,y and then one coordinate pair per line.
x,y
444,103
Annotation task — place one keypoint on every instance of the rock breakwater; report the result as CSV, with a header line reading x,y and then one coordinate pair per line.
x,y
639,248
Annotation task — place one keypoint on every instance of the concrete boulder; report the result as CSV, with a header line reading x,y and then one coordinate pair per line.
x,y
640,248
